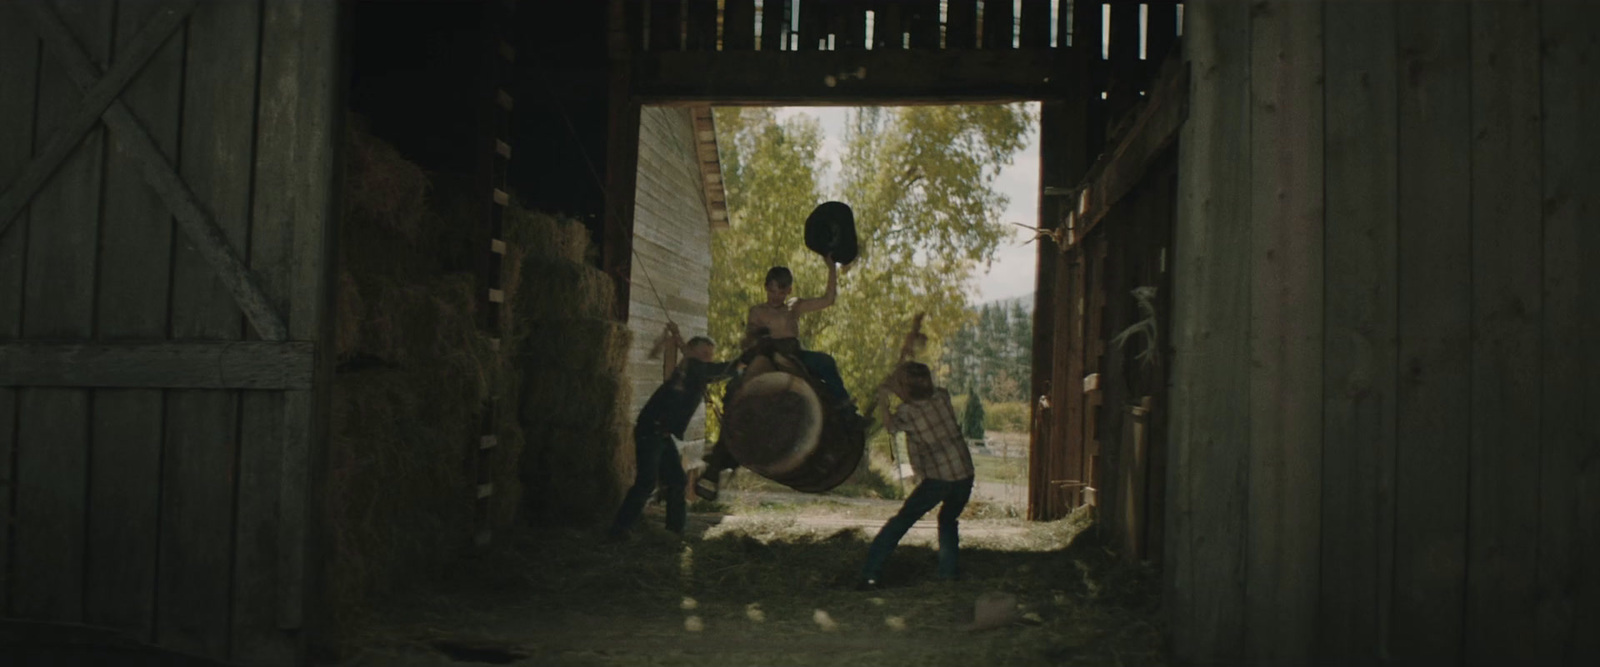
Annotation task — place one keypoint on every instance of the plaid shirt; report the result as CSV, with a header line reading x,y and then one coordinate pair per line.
x,y
938,451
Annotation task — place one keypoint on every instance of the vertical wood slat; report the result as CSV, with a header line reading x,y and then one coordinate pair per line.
x,y
701,25
1086,29
312,64
1431,437
1071,348
847,23
1568,572
1285,331
52,445
1161,30
1360,330
999,24
739,25
1034,24
19,49
921,22
1506,310
1060,161
1209,428
774,25
961,24
268,494
134,280
811,28
666,28
194,606
888,25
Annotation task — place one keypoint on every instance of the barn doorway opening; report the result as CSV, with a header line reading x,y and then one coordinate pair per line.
x,y
935,191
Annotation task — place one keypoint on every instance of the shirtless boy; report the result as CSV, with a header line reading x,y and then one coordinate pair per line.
x,y
778,319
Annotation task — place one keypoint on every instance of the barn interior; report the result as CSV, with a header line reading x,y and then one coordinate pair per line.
x,y
322,326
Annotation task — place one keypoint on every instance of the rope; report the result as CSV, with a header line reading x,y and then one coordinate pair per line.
x,y
594,173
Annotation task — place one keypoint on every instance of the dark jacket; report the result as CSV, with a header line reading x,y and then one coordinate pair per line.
x,y
673,404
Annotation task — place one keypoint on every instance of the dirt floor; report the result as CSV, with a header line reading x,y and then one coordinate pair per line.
x,y
766,577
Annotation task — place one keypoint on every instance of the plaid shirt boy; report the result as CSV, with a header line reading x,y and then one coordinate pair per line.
x,y
938,450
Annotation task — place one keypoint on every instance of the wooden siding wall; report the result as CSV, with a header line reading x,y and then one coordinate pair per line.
x,y
1386,389
177,515
672,239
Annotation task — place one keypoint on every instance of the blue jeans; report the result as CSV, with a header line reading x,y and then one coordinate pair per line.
x,y
930,492
658,460
822,365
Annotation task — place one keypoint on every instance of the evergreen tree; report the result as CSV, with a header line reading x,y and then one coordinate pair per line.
x,y
1022,345
972,417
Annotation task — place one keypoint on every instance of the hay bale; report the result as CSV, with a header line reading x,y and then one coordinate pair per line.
x,y
564,398
546,236
577,473
551,288
582,346
382,189
395,500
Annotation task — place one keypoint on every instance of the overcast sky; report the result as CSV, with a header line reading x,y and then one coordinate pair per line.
x,y
1011,275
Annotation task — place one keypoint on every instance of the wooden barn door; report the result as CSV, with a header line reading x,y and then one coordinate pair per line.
x,y
166,190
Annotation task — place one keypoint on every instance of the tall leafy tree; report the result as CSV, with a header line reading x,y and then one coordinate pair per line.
x,y
921,182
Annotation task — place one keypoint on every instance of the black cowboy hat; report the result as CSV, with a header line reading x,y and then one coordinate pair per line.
x,y
831,229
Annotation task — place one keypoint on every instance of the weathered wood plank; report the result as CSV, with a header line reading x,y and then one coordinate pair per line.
x,y
299,64
809,28
1061,158
19,49
52,447
701,25
1209,432
1359,332
888,25
194,611
1502,546
69,133
999,25
1161,31
739,25
1431,462
1571,441
1286,316
1123,167
666,25
921,21
191,213
124,509
219,365
961,24
1034,24
774,25
894,77
51,468
133,283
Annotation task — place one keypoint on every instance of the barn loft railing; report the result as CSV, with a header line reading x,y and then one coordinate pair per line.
x,y
880,51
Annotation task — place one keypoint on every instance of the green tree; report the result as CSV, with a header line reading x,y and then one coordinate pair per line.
x,y
921,183
1021,345
972,417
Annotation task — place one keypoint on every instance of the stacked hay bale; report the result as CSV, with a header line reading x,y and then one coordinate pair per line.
x,y
415,373
571,357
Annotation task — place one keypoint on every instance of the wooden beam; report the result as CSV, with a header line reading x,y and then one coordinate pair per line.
x,y
1121,168
191,215
174,365
95,101
700,78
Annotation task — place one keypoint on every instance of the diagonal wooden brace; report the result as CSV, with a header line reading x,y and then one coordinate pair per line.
x,y
129,63
192,218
